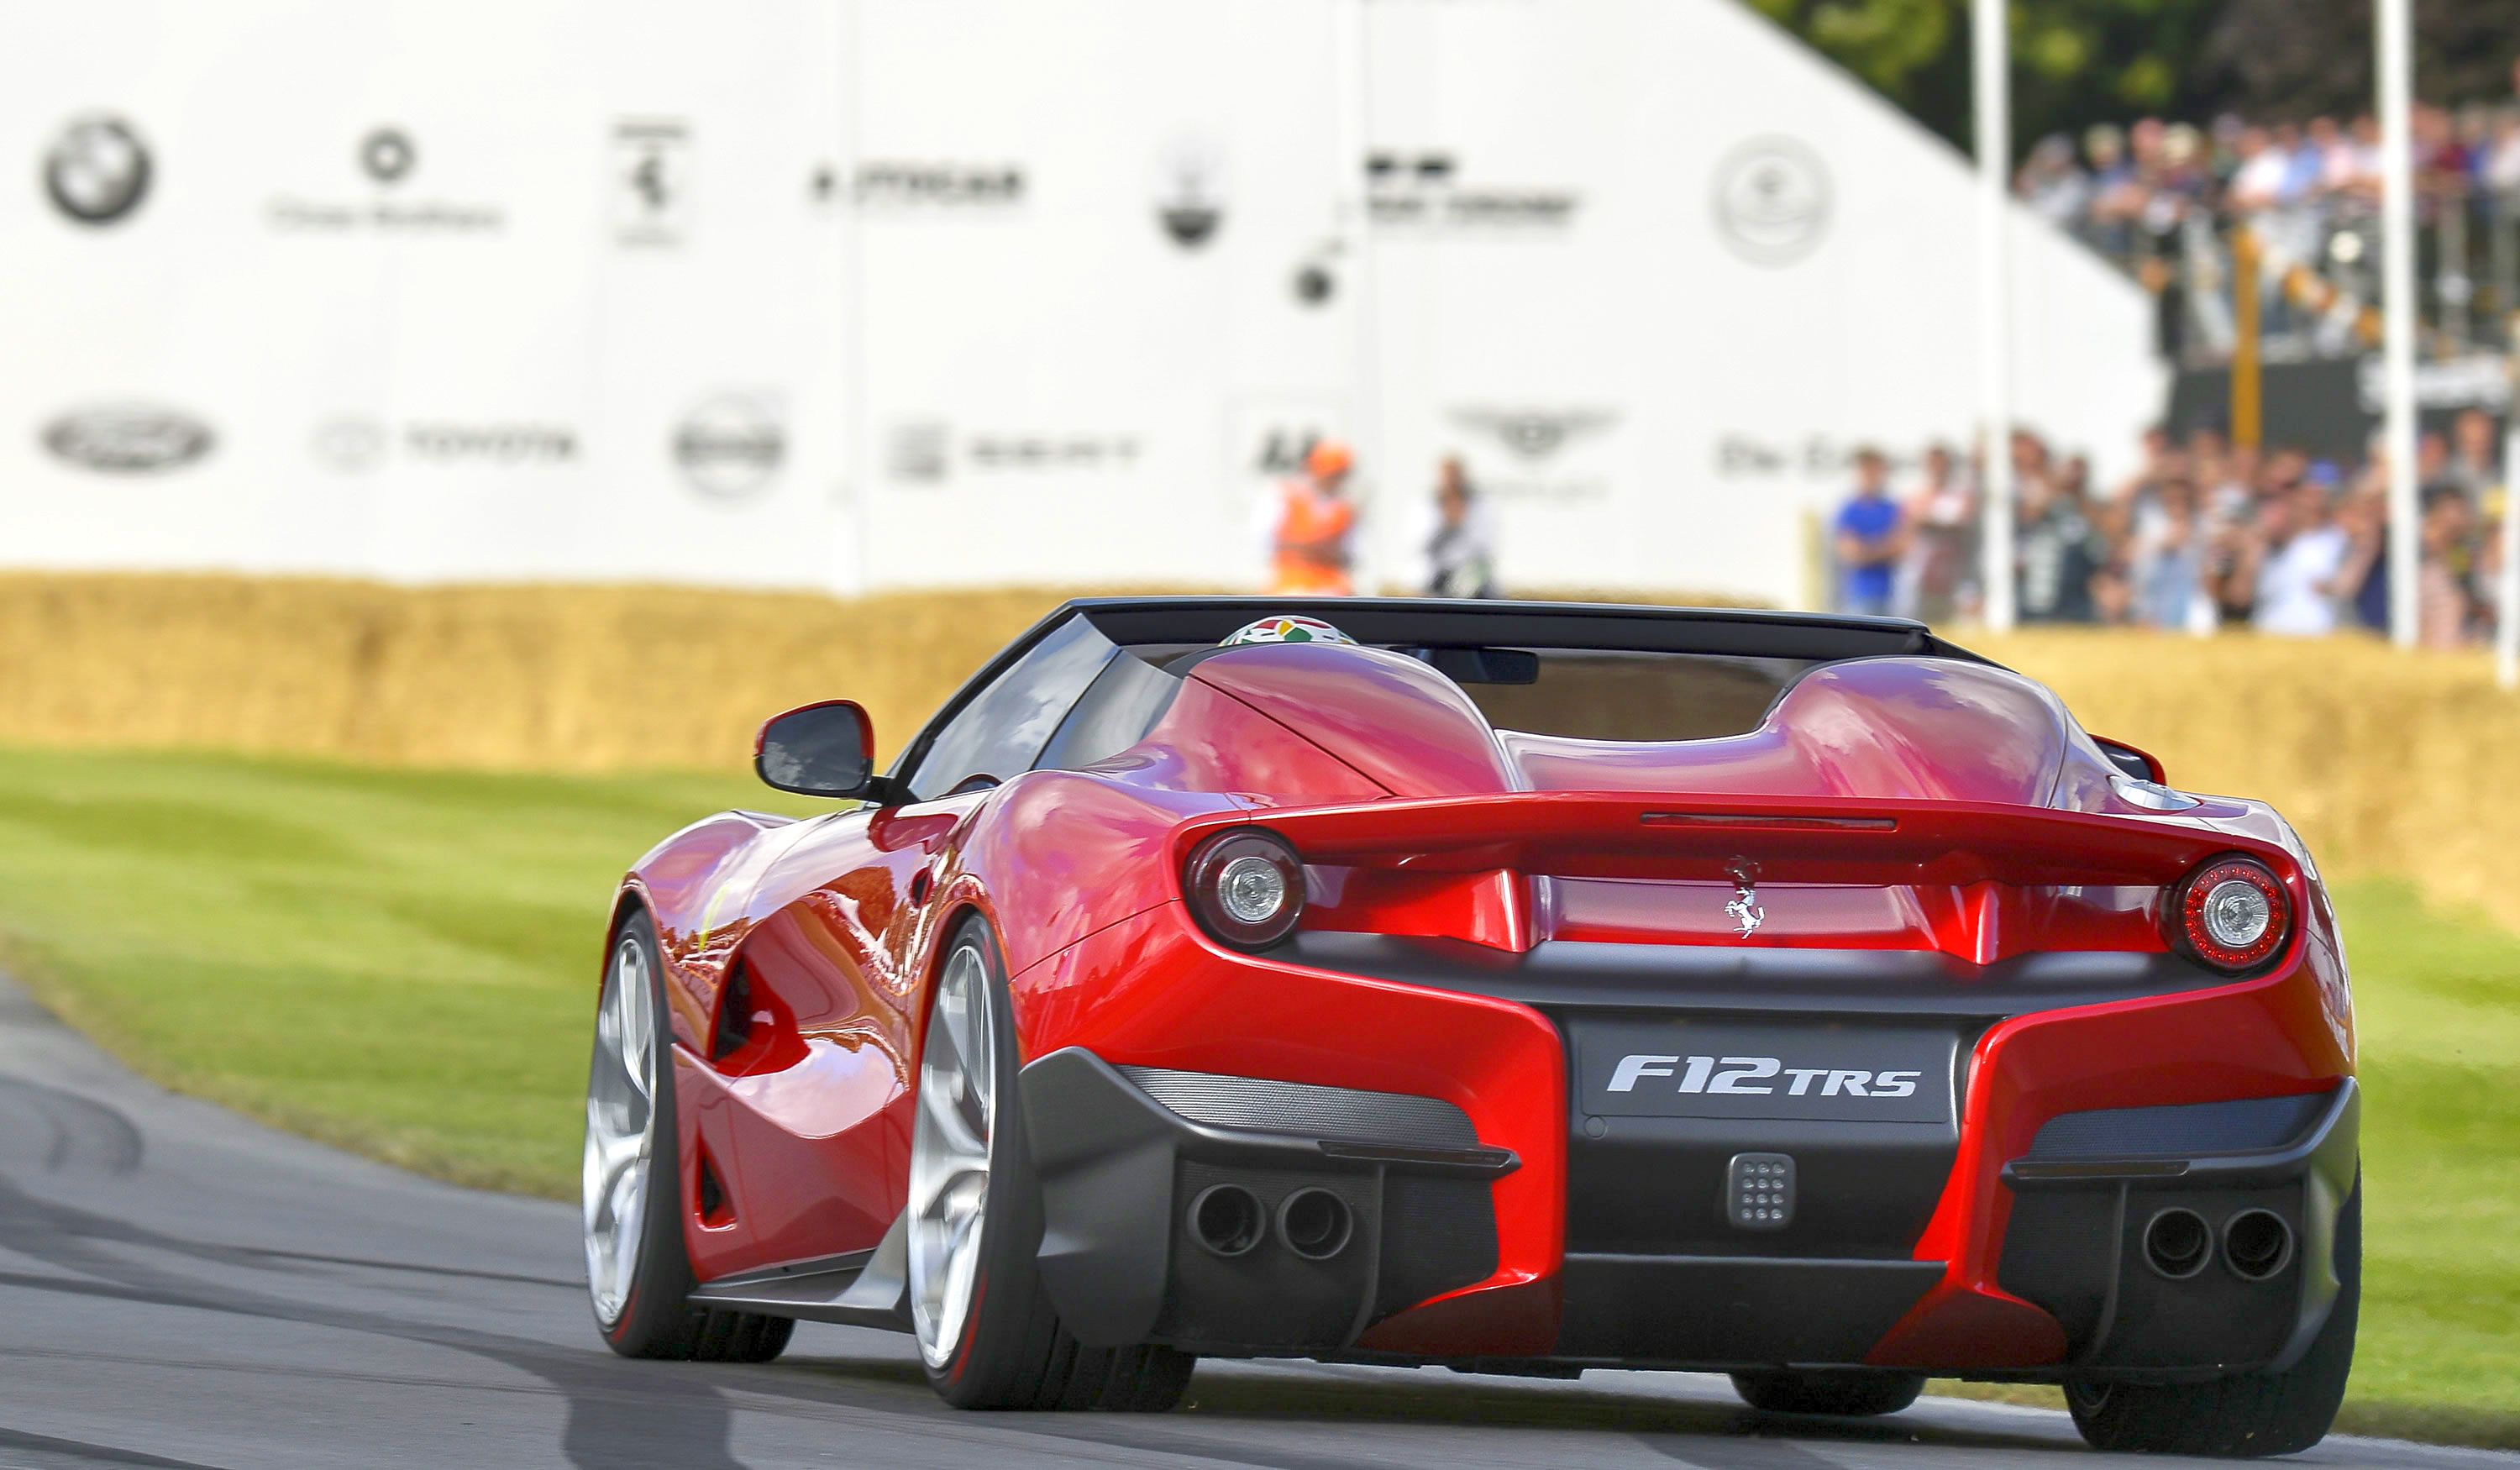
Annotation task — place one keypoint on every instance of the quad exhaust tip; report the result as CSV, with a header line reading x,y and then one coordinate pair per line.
x,y
1315,1224
1226,1220
2177,1243
2257,1244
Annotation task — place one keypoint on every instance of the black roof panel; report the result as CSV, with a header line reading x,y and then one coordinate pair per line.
x,y
1744,631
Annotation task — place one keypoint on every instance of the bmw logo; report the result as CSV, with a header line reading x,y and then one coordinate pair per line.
x,y
97,172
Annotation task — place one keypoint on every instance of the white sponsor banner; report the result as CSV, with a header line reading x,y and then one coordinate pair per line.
x,y
454,290
969,292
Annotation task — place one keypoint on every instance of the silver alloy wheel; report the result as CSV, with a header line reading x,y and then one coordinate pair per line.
x,y
620,1130
948,1154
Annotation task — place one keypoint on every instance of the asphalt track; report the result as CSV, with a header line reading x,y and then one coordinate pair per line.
x,y
182,1289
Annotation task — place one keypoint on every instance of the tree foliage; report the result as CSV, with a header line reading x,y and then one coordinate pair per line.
x,y
2081,61
2295,58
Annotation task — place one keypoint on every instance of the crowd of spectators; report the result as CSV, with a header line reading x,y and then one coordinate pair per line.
x,y
2157,196
2122,184
2203,535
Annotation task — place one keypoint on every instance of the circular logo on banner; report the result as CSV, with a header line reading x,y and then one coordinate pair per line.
x,y
386,154
349,445
97,172
730,446
1190,192
1772,198
127,439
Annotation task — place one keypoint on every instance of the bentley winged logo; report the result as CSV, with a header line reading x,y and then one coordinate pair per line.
x,y
1746,908
1534,433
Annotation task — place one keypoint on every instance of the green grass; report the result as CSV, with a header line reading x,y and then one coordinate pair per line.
x,y
399,963
403,964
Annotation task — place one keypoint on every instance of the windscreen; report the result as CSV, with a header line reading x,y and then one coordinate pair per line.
x,y
1594,694
1598,694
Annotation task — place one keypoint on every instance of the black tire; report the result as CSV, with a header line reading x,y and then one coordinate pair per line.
x,y
1783,1391
658,1320
1014,1354
2250,1414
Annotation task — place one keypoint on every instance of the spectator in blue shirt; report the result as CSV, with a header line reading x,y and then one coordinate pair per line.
x,y
1871,535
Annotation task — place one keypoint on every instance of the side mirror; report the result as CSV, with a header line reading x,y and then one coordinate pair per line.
x,y
2139,764
825,749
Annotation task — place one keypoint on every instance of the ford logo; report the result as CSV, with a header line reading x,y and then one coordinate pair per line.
x,y
127,439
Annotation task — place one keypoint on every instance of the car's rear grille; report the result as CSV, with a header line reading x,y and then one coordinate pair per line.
x,y
1295,1107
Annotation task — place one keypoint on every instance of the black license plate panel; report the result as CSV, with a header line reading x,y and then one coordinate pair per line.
x,y
1797,1070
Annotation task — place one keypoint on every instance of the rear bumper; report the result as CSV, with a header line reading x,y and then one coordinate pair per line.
x,y
2075,1244
1963,1243
1401,1215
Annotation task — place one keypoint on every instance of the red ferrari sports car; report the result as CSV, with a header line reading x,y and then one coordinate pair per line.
x,y
1513,987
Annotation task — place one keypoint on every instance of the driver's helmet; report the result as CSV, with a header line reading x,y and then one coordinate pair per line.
x,y
1286,629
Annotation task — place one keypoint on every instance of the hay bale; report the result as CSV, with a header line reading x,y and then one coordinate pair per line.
x,y
2389,761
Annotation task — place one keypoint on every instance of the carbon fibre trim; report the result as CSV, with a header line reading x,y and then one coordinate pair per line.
x,y
2182,1132
1294,1107
1734,1312
2074,1243
1457,623
1119,1171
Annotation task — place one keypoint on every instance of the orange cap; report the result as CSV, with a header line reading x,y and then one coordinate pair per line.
x,y
1329,459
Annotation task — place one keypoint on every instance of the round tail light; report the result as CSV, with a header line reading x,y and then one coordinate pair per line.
x,y
2233,914
1247,887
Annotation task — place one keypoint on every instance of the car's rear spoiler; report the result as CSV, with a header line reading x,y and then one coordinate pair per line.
x,y
1806,839
1480,849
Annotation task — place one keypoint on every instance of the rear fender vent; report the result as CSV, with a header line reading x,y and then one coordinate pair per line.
x,y
733,1014
715,1211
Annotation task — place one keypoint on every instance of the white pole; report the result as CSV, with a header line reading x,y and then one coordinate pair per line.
x,y
856,516
2507,621
1372,480
2399,308
1994,94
